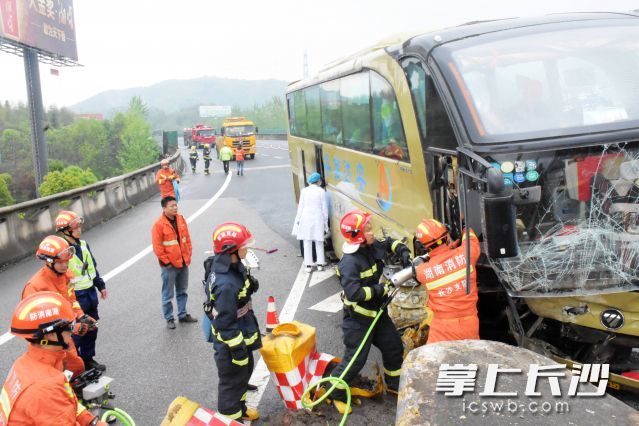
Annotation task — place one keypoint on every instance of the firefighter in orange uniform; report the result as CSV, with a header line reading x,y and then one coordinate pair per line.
x,y
36,391
54,276
165,177
444,276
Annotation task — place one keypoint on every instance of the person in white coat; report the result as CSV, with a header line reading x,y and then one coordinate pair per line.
x,y
311,221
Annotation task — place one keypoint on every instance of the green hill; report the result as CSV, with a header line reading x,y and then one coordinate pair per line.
x,y
173,96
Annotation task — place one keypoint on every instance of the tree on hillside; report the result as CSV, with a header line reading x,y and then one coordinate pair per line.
x,y
6,199
138,148
16,160
137,106
70,178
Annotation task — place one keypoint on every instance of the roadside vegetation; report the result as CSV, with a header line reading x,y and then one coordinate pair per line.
x,y
81,151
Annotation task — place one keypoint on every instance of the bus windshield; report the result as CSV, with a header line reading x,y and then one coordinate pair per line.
x,y
234,131
558,82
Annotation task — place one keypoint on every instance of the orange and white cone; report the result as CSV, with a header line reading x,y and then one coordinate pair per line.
x,y
271,315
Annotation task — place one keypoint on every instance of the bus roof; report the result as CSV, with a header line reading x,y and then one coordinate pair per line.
x,y
425,41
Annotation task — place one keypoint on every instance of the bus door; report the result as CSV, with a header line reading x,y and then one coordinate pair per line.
x,y
319,162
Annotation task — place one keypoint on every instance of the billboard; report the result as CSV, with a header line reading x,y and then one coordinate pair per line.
x,y
215,111
47,25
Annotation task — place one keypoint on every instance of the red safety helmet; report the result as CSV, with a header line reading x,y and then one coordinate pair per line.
x,y
231,236
352,226
431,232
40,314
54,248
68,220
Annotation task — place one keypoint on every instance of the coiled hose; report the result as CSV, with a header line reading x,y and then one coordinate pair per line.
x,y
340,379
120,415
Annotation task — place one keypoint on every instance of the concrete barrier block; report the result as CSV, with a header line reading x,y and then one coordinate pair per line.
x,y
420,401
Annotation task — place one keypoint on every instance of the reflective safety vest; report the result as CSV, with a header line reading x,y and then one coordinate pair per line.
x,y
83,269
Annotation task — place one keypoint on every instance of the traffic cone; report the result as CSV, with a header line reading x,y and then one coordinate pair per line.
x,y
271,315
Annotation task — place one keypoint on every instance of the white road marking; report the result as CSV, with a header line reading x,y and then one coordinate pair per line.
x,y
321,276
282,166
278,157
331,304
8,336
261,374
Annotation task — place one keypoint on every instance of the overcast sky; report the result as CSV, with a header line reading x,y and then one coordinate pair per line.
x,y
135,43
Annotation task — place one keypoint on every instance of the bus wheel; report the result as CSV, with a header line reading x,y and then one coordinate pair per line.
x,y
252,156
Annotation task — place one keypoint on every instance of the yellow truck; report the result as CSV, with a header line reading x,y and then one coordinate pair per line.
x,y
238,132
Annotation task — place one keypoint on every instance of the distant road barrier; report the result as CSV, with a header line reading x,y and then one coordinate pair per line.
x,y
271,136
24,225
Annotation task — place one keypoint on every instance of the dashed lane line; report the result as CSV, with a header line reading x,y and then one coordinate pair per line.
x,y
8,336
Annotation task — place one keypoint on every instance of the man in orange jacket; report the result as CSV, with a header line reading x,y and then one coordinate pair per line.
x,y
444,276
172,246
54,276
36,391
165,177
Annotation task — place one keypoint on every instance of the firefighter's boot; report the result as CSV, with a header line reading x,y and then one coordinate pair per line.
x,y
251,414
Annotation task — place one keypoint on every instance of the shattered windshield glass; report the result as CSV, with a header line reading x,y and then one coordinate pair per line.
x,y
560,80
577,221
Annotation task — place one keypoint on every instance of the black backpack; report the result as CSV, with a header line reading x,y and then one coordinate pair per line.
x,y
208,264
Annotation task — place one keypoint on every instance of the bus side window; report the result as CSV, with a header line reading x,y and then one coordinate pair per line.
x,y
388,132
354,97
331,112
299,113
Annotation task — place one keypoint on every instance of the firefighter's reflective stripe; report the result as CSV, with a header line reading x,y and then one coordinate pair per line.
x,y
394,245
369,293
244,290
243,397
80,409
393,373
369,272
233,416
472,235
359,309
170,243
448,279
236,341
337,272
241,362
83,269
75,305
5,407
250,340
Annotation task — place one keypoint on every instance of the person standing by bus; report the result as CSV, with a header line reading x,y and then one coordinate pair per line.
x,y
311,221
193,157
444,276
239,160
359,272
206,156
86,281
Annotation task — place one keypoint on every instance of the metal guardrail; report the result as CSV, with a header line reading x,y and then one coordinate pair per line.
x,y
24,225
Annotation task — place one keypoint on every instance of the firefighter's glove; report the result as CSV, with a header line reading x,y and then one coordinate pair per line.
x,y
380,290
89,321
405,255
208,310
239,355
254,284
80,328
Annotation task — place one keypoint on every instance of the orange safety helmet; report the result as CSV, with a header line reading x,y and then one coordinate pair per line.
x,y
68,220
231,236
352,226
54,248
40,314
430,232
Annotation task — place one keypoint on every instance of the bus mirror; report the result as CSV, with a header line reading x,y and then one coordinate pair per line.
x,y
256,130
498,217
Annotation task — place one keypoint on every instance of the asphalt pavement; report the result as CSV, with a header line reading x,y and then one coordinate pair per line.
x,y
152,365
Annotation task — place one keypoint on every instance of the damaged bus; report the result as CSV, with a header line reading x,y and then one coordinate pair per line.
x,y
526,129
